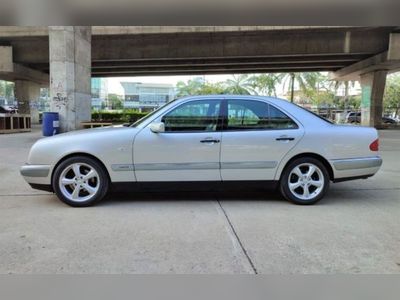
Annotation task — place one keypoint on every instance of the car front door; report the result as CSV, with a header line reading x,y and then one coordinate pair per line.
x,y
188,149
256,136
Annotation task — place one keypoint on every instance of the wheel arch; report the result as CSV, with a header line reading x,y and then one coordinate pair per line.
x,y
80,154
319,157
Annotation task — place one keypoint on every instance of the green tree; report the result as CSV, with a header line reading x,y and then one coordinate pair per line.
x,y
209,88
391,98
266,83
240,85
198,86
115,101
310,83
191,87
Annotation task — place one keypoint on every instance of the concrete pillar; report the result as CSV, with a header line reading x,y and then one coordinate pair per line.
x,y
70,74
373,88
27,95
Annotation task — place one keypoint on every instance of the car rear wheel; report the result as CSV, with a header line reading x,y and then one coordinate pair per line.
x,y
304,181
80,181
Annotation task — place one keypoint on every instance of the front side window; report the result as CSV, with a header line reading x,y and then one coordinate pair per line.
x,y
256,115
200,115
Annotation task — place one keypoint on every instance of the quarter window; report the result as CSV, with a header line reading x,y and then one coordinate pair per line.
x,y
256,115
193,116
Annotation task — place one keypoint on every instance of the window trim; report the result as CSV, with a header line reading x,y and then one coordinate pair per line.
x,y
224,111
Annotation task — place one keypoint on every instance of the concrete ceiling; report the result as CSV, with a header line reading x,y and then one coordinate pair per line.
x,y
155,50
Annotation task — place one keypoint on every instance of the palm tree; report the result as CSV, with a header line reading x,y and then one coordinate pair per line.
x,y
309,82
267,83
191,87
240,85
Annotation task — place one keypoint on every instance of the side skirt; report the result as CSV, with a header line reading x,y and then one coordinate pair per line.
x,y
194,186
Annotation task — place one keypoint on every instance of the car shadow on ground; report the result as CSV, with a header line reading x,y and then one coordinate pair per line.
x,y
157,196
333,196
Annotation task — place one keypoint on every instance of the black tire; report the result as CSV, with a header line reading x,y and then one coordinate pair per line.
x,y
284,181
103,180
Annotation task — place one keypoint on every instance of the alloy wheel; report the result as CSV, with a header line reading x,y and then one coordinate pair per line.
x,y
79,182
306,181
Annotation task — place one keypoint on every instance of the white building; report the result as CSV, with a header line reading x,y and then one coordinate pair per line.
x,y
146,96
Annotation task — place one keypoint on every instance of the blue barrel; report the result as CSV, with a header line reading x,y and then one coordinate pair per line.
x,y
50,123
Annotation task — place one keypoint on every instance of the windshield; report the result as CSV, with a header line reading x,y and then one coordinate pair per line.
x,y
150,114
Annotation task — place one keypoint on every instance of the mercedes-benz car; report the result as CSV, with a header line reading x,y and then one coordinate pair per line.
x,y
213,140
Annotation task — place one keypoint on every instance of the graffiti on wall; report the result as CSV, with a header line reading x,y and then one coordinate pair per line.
x,y
60,101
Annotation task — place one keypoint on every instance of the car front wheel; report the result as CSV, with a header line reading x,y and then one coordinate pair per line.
x,y
304,181
80,181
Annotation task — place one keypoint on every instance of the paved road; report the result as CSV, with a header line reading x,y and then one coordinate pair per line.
x,y
355,229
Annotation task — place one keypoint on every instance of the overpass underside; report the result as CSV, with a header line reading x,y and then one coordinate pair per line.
x,y
66,57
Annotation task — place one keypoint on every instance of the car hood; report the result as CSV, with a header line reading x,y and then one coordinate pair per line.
x,y
95,141
91,132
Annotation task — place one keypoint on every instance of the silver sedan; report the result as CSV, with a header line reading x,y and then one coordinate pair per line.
x,y
207,140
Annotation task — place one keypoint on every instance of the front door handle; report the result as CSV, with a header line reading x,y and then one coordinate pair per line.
x,y
285,138
210,141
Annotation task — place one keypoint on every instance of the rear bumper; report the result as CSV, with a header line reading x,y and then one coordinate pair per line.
x,y
355,168
357,163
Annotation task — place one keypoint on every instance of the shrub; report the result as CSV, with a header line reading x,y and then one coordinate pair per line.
x,y
127,116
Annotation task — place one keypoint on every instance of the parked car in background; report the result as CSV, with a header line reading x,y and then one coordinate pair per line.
x,y
389,120
355,118
5,109
222,140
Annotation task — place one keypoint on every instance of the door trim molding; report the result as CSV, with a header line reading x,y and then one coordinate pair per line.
x,y
249,165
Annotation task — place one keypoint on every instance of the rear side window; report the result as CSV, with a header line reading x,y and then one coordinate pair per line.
x,y
256,115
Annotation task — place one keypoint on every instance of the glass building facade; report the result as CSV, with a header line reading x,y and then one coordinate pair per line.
x,y
99,93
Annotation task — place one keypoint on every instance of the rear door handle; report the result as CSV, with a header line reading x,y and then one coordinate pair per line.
x,y
209,141
285,138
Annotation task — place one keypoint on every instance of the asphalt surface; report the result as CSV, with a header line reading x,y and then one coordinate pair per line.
x,y
354,229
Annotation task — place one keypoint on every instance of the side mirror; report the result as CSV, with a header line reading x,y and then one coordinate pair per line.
x,y
157,127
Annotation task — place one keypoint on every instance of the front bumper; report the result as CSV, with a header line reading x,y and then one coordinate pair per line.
x,y
35,170
37,174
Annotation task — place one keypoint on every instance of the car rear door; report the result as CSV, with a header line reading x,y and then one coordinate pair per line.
x,y
256,136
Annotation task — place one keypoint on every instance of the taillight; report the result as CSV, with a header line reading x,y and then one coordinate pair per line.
x,y
374,145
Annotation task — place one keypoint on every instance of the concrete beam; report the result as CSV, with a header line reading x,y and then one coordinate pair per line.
x,y
394,46
371,64
388,60
35,31
20,72
11,71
